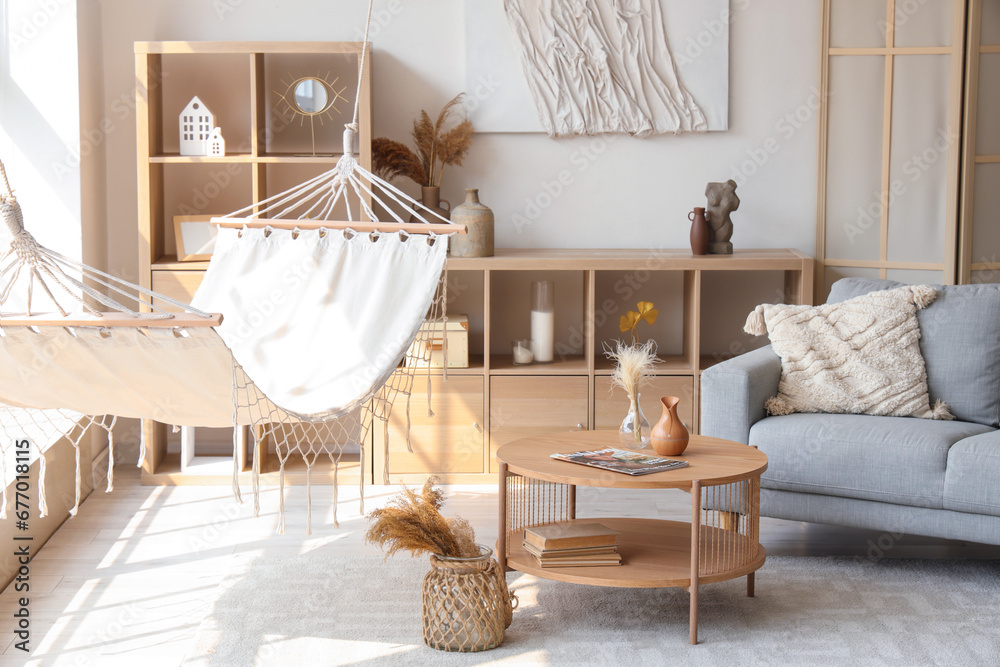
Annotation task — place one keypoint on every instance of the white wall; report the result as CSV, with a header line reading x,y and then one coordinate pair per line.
x,y
624,193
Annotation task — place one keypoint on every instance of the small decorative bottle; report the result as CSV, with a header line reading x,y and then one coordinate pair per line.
x,y
634,431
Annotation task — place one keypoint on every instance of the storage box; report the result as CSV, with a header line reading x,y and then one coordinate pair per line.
x,y
457,330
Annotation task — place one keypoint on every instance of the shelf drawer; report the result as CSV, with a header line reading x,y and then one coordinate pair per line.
x,y
523,406
449,442
180,285
611,404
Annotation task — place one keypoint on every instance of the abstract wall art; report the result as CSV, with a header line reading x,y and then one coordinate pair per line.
x,y
586,67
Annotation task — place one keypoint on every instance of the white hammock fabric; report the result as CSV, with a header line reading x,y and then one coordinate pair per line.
x,y
356,300
172,376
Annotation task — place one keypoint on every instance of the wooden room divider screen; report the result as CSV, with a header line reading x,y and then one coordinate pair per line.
x,y
891,81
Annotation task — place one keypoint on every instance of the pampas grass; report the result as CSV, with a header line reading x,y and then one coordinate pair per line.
x,y
436,147
633,365
391,159
413,522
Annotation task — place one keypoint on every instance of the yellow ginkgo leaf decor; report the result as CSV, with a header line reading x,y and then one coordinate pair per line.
x,y
631,319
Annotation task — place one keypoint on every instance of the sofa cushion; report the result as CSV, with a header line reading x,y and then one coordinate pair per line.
x,y
860,356
889,459
960,341
972,483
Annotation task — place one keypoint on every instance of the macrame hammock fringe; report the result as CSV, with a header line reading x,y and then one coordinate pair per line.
x,y
332,418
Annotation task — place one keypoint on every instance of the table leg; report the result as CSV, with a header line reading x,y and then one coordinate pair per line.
x,y
502,535
571,510
750,584
695,542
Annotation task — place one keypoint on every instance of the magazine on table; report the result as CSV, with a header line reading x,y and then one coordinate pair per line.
x,y
621,460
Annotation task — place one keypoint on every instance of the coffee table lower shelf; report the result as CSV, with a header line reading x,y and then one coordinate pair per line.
x,y
655,554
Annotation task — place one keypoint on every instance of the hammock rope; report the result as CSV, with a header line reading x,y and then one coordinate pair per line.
x,y
44,265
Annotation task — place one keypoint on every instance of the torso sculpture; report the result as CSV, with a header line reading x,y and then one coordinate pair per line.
x,y
722,201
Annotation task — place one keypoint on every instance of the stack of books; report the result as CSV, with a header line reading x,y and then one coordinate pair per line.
x,y
572,545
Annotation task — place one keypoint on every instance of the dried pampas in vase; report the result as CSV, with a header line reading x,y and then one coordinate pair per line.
x,y
436,147
634,365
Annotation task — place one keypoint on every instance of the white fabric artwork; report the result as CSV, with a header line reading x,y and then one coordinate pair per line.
x,y
360,298
601,66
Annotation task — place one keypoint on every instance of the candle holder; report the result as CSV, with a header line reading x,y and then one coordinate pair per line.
x,y
543,321
521,349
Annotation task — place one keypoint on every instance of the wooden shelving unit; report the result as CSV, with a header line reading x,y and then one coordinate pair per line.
x,y
493,402
266,154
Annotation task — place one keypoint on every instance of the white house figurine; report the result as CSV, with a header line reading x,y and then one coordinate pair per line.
x,y
196,124
216,143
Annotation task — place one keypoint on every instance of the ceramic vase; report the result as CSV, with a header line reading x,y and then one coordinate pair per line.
x,y
431,198
634,432
699,231
478,220
669,437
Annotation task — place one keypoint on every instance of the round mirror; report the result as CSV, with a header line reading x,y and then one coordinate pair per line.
x,y
311,96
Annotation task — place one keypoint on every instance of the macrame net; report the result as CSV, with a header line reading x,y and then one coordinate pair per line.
x,y
340,438
42,429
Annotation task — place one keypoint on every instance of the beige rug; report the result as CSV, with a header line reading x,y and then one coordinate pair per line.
x,y
313,610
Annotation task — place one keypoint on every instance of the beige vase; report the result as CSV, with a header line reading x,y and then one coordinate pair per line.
x,y
478,220
670,436
431,198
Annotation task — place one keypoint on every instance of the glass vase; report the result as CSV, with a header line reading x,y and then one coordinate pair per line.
x,y
634,431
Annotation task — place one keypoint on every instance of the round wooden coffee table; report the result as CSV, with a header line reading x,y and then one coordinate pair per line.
x,y
720,542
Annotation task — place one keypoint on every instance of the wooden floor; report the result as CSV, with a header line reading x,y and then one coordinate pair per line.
x,y
129,580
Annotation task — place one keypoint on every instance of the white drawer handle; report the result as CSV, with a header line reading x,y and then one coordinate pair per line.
x,y
476,426
581,427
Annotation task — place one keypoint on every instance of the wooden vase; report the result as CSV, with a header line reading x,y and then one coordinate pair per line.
x,y
699,231
669,437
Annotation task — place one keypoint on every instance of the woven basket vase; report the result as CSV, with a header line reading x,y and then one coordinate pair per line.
x,y
466,603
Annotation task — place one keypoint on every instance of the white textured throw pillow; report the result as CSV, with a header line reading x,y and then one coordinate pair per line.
x,y
860,356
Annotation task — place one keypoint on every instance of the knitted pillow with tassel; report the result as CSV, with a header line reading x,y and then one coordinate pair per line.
x,y
860,356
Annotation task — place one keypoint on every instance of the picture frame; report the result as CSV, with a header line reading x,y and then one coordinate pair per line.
x,y
195,235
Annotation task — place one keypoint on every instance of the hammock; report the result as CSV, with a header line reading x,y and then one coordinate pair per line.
x,y
312,320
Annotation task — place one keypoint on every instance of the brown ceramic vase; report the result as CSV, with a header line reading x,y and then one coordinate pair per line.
x,y
669,437
699,231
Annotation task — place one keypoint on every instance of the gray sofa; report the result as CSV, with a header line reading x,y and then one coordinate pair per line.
x,y
896,474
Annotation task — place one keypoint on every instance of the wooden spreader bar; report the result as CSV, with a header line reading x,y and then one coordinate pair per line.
x,y
180,320
358,226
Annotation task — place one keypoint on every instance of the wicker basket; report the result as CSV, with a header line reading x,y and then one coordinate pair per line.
x,y
467,605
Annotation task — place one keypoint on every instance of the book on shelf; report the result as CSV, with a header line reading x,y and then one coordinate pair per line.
x,y
568,562
570,536
549,554
621,460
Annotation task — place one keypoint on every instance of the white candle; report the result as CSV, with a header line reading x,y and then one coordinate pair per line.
x,y
543,330
522,353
